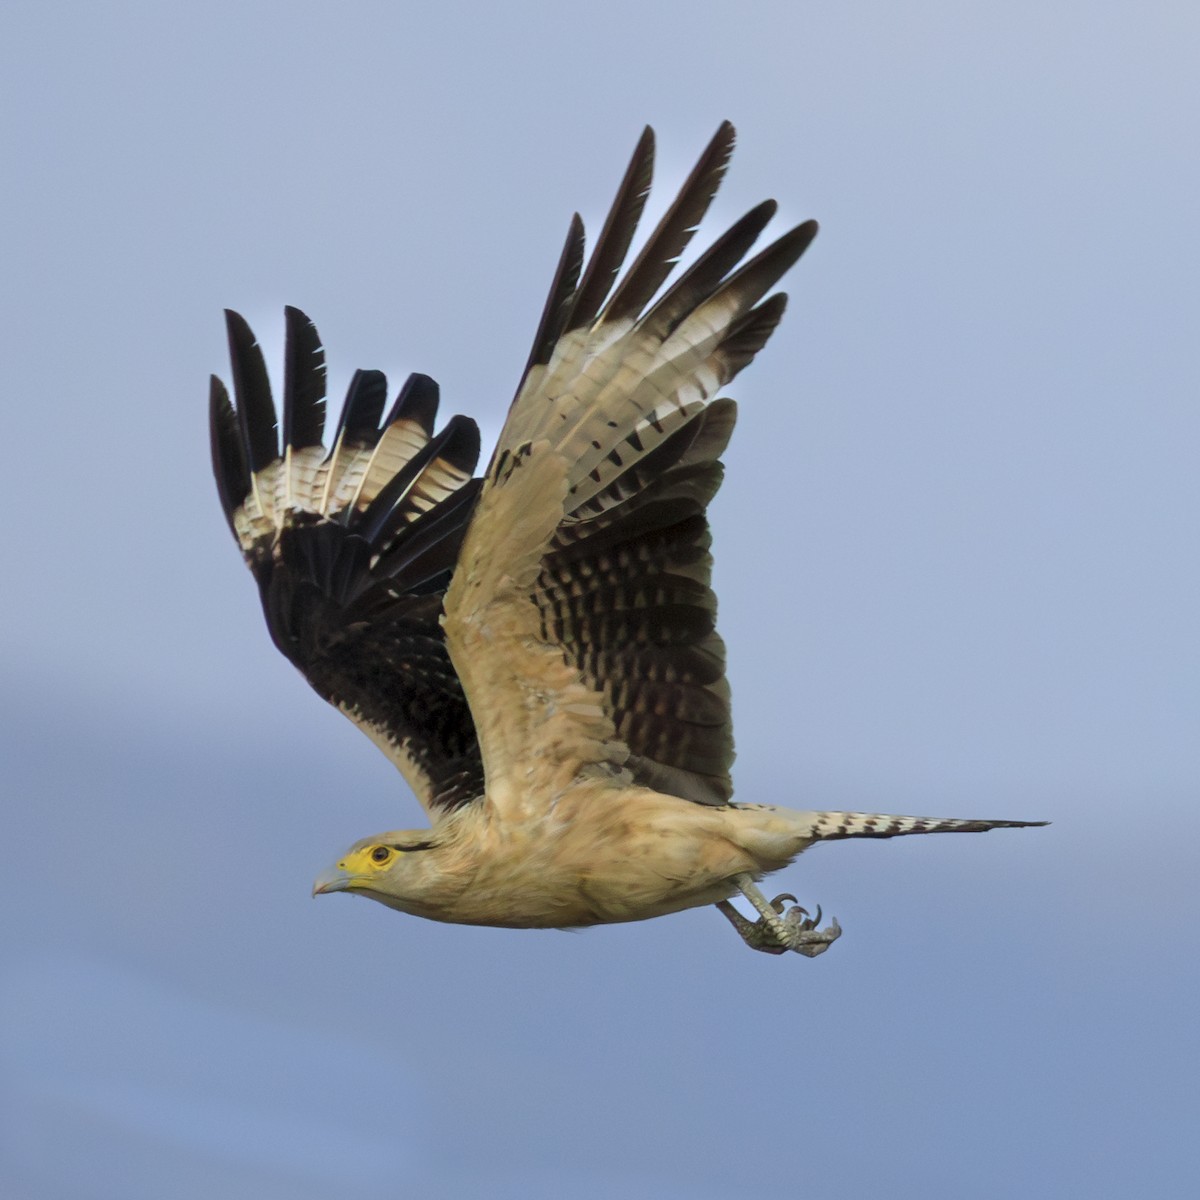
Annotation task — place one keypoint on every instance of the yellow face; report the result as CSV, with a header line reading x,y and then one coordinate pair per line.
x,y
365,862
372,865
358,869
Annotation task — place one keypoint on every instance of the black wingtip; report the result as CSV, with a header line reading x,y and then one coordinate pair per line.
x,y
754,279
303,382
749,335
417,401
252,390
365,398
558,300
675,230
710,270
228,455
463,443
619,227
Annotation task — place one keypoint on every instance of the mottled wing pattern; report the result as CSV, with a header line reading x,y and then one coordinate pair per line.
x,y
353,547
581,617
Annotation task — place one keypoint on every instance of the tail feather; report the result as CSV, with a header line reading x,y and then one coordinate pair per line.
x,y
834,826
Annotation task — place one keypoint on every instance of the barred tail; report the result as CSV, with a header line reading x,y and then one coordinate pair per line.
x,y
833,826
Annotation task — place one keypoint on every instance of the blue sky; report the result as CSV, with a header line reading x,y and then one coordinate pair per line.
x,y
956,556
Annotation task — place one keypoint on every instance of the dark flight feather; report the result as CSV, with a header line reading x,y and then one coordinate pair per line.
x,y
558,302
704,276
228,451
613,243
303,382
252,391
354,597
358,424
457,446
752,281
417,401
669,240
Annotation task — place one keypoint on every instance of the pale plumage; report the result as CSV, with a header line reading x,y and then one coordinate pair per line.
x,y
536,650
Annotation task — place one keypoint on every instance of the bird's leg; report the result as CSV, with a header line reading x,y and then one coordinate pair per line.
x,y
770,921
755,934
776,931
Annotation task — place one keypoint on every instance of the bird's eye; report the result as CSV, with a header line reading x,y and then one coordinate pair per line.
x,y
380,854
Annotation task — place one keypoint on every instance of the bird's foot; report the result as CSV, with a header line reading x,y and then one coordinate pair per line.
x,y
776,930
803,932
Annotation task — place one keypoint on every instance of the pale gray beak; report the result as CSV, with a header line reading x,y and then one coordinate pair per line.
x,y
333,880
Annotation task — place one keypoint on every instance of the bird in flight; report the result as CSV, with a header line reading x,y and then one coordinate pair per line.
x,y
535,648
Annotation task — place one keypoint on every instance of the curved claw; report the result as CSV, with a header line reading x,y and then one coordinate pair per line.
x,y
777,931
809,922
824,939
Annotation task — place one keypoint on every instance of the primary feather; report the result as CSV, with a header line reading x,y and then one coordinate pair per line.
x,y
352,548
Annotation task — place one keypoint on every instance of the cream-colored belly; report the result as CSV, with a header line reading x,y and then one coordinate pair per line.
x,y
597,858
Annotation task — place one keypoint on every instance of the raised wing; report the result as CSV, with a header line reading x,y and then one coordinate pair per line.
x,y
581,618
353,548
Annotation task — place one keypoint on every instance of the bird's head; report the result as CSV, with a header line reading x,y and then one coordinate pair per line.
x,y
389,867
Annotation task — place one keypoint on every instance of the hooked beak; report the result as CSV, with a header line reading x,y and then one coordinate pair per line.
x,y
333,880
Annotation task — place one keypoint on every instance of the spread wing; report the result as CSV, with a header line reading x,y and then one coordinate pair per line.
x,y
581,618
353,547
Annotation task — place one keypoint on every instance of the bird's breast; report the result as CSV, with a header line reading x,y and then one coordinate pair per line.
x,y
600,855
